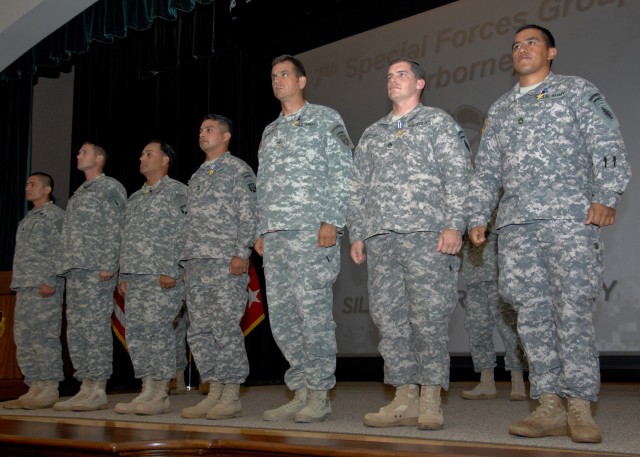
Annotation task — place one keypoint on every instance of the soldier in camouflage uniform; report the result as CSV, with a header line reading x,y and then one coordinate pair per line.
x,y
38,310
303,190
409,184
484,311
151,277
90,246
220,232
554,145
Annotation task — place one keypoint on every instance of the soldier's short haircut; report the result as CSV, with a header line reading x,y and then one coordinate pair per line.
x,y
297,63
546,34
46,179
222,120
416,68
167,150
99,150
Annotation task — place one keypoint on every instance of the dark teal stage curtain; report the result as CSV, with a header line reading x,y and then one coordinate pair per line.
x,y
15,150
107,20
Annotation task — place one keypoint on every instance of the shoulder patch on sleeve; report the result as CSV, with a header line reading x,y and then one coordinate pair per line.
x,y
485,126
249,180
341,133
598,104
116,200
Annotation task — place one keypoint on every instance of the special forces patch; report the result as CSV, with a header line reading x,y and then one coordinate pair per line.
x,y
249,180
116,201
598,104
339,131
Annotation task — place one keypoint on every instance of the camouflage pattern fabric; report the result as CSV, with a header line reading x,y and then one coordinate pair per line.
x,y
150,311
303,181
216,301
38,320
37,247
180,326
151,245
551,271
221,223
412,292
153,236
90,243
221,212
409,175
304,171
92,226
409,183
89,308
299,277
554,150
486,310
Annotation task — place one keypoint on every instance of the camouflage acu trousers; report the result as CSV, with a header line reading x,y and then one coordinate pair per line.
x,y
150,311
216,301
180,326
37,326
485,311
412,292
89,308
551,271
299,278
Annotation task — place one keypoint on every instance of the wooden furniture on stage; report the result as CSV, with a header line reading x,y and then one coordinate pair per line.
x,y
11,385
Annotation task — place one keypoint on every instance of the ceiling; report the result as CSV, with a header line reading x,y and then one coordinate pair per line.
x,y
23,23
294,25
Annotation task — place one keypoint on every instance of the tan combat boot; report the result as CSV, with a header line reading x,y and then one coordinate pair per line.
x,y
200,410
145,395
34,388
288,410
403,409
485,390
518,391
67,405
549,419
46,396
97,398
177,385
431,417
158,403
229,405
317,409
582,427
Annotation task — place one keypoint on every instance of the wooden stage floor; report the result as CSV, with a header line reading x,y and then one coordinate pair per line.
x,y
53,437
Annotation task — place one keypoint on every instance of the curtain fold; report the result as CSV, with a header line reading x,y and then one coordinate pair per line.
x,y
15,154
104,22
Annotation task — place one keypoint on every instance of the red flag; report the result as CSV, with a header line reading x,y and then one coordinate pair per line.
x,y
117,318
254,312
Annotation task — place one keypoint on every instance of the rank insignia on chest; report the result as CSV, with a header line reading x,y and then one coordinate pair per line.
x,y
541,94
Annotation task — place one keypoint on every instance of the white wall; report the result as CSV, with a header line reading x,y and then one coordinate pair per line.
x,y
465,48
